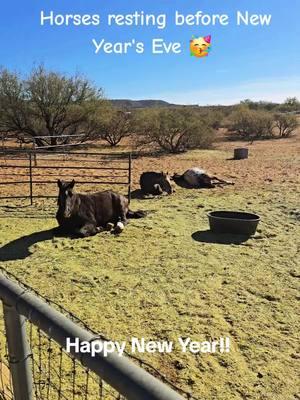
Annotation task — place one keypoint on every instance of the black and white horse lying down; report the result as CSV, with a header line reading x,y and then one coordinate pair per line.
x,y
198,178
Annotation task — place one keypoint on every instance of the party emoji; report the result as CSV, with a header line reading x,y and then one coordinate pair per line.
x,y
200,46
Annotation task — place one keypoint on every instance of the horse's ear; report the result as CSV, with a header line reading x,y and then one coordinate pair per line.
x,y
59,183
72,184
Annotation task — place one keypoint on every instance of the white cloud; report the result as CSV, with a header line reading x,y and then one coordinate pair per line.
x,y
275,90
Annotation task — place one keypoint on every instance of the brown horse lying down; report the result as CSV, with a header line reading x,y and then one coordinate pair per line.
x,y
84,214
198,178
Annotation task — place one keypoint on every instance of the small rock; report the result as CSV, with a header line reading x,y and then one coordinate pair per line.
x,y
179,365
295,274
296,356
190,381
270,297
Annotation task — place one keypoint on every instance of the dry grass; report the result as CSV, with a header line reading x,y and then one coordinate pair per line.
x,y
164,277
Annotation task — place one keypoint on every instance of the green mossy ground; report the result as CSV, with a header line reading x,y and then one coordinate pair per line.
x,y
165,277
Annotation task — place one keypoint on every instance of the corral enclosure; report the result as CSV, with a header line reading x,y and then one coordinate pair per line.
x,y
34,174
166,276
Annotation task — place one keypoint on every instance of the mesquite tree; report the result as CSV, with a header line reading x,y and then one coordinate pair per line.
x,y
174,130
286,124
48,106
117,126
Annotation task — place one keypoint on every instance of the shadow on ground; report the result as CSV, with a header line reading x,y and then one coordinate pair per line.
x,y
26,211
219,238
138,194
19,249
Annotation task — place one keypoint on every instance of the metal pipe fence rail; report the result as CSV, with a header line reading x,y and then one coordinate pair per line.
x,y
35,366
63,142
29,174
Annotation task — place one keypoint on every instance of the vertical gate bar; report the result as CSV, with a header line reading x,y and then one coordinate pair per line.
x,y
129,177
34,153
19,353
30,178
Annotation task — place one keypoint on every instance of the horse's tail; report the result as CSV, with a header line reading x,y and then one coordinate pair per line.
x,y
136,214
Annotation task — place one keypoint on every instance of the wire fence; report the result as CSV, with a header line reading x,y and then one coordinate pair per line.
x,y
56,374
6,387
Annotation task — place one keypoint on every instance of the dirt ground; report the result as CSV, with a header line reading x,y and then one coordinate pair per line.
x,y
166,276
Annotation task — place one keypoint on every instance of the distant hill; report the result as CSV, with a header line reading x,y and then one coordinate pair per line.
x,y
130,104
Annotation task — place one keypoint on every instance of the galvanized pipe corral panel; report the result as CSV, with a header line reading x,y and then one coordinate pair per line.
x,y
123,375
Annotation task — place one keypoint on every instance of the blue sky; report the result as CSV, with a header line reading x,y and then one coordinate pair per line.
x,y
261,63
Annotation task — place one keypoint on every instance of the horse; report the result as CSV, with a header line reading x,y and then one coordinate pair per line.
x,y
198,178
86,214
155,183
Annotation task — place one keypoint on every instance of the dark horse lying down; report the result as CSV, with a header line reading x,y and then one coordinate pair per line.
x,y
84,214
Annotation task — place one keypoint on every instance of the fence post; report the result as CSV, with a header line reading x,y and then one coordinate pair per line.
x,y
129,177
30,178
34,154
19,353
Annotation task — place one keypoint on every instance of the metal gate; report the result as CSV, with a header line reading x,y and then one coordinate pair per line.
x,y
29,174
39,368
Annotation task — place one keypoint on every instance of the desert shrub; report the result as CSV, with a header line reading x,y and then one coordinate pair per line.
x,y
214,117
259,105
286,124
173,130
291,104
116,126
251,124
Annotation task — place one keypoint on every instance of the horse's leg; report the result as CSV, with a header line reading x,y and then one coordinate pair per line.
x,y
122,209
205,181
87,230
157,189
220,181
123,217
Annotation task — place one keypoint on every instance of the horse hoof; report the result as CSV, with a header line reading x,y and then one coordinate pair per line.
x,y
119,228
109,226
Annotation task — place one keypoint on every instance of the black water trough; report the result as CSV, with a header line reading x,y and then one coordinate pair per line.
x,y
235,222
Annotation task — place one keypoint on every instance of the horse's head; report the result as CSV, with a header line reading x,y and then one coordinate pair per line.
x,y
175,177
165,183
66,197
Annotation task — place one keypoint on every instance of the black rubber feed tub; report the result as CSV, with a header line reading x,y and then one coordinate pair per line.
x,y
235,222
